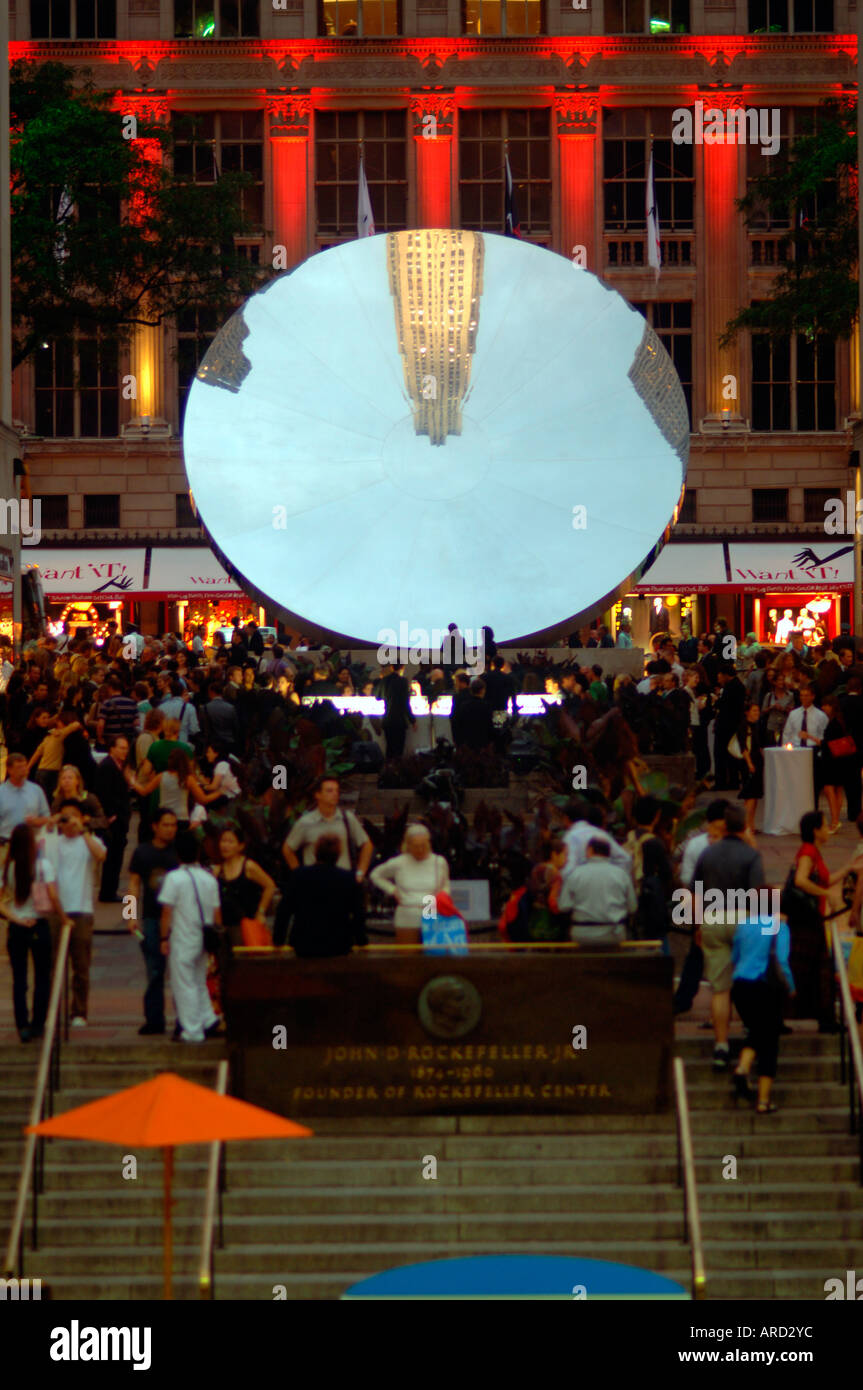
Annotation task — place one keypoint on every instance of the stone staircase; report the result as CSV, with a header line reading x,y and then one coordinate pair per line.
x,y
317,1215
100,1234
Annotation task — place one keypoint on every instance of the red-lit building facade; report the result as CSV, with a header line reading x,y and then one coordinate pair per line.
x,y
436,92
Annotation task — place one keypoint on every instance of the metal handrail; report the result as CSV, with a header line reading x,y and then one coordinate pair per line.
x,y
472,946
215,1188
686,1177
849,1022
47,1079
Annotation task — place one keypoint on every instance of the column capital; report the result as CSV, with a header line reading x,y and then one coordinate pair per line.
x,y
288,117
576,113
723,101
439,107
147,106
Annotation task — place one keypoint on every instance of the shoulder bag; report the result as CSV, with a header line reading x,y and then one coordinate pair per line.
x,y
212,933
842,747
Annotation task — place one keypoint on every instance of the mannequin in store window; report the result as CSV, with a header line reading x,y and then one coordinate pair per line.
x,y
785,627
660,616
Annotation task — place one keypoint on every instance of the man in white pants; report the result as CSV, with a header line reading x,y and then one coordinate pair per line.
x,y
190,898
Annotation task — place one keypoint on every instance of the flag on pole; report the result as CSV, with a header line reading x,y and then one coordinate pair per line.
x,y
511,223
654,254
365,216
65,208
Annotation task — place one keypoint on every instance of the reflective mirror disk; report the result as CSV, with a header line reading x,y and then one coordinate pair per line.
x,y
436,426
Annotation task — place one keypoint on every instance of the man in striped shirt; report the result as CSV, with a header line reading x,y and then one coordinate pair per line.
x,y
118,717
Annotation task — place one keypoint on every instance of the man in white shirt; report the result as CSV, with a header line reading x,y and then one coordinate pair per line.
x,y
21,802
600,897
805,726
329,819
714,829
585,824
693,966
73,855
190,900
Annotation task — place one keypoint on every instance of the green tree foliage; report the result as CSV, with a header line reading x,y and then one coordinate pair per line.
x,y
814,184
103,235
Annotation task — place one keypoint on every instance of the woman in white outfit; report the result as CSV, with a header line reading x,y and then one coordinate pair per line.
x,y
411,877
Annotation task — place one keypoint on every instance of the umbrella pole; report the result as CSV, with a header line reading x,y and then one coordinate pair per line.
x,y
168,1157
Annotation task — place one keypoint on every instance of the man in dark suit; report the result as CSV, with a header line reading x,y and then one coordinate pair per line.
x,y
325,904
219,719
499,685
475,722
395,692
729,717
112,789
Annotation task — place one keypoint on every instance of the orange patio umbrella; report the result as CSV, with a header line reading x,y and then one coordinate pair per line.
x,y
160,1114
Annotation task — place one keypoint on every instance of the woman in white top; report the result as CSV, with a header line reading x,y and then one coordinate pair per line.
x,y
177,784
223,782
410,877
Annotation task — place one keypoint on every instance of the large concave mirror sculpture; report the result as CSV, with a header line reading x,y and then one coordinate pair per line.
x,y
406,428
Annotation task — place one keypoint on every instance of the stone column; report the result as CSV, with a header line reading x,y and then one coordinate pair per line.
x,y
720,275
146,364
289,146
576,140
432,120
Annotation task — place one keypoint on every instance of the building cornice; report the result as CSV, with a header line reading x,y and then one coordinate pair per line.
x,y
689,61
718,442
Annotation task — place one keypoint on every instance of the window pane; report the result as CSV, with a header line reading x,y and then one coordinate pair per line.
x,y
55,511
40,28
85,22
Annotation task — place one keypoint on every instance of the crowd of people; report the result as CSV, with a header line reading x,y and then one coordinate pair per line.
x,y
162,733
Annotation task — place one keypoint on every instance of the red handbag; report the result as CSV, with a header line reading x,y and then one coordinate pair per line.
x,y
255,932
842,747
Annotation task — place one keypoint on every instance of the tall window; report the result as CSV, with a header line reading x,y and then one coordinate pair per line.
x,y
770,504
216,19
184,515
77,391
339,136
502,18
196,329
55,511
689,509
791,124
345,19
485,137
646,16
793,383
101,509
815,501
626,153
671,320
73,19
790,16
208,143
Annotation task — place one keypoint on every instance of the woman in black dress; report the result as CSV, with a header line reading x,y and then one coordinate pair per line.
x,y
244,888
830,771
750,738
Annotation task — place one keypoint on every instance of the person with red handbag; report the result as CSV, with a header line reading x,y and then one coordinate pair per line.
x,y
837,748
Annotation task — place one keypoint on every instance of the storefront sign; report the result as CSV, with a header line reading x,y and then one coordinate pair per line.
x,y
828,566
91,574
188,573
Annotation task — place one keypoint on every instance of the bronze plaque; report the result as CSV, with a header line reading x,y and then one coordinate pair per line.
x,y
375,1033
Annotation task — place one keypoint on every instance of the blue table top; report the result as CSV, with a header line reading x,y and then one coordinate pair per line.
x,y
518,1276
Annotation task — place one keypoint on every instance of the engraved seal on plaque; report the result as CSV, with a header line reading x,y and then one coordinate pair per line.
x,y
449,1006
